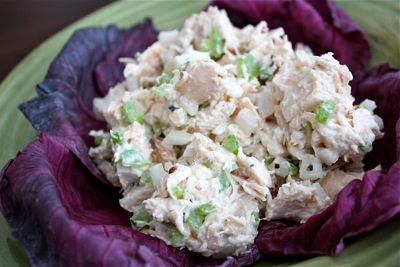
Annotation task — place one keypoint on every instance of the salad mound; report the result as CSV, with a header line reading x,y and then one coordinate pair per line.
x,y
83,224
216,127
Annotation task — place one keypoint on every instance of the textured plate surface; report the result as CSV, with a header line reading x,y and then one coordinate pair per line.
x,y
380,20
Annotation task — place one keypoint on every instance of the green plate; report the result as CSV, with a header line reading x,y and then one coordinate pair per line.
x,y
380,20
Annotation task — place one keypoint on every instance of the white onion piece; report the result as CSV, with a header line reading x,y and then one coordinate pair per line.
x,y
266,103
190,106
168,37
177,138
157,173
281,167
246,120
310,168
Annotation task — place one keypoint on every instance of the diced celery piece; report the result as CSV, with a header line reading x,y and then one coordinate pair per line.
x,y
160,90
165,78
132,113
206,209
98,139
197,216
178,192
133,158
224,180
231,143
366,148
145,178
214,45
248,66
178,240
141,217
324,112
116,138
195,219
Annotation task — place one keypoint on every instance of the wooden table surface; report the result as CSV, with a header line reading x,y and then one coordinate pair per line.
x,y
26,24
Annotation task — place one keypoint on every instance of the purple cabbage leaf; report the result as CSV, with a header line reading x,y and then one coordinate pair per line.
x,y
322,25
